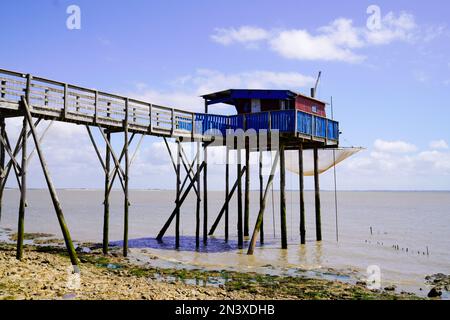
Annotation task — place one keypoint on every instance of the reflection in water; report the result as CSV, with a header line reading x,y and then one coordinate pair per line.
x,y
318,253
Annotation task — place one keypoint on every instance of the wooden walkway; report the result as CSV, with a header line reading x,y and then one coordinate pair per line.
x,y
65,102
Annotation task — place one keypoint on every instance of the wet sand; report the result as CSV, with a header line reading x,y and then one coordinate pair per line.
x,y
45,273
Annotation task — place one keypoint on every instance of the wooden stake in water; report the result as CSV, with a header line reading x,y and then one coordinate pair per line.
x,y
247,190
283,199
106,201
317,195
302,195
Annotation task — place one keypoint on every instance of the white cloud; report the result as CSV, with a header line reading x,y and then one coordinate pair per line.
x,y
337,41
299,44
245,34
185,91
394,146
387,170
438,144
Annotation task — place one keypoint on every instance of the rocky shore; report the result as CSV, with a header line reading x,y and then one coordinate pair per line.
x,y
45,273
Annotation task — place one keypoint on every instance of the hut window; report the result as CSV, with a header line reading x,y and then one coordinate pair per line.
x,y
314,109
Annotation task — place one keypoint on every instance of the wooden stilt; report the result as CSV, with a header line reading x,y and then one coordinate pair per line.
x,y
23,193
126,178
302,195
106,201
261,195
178,184
283,198
317,195
260,218
227,191
205,188
247,190
239,201
197,211
53,194
2,163
205,196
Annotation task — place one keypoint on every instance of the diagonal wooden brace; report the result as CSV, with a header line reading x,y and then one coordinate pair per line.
x,y
178,205
53,194
222,211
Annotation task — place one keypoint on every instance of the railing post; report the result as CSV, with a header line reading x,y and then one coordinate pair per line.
x,y
46,97
96,107
28,89
192,126
66,102
150,110
295,119
173,122
3,89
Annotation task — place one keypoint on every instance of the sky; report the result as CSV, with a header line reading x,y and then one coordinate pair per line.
x,y
385,63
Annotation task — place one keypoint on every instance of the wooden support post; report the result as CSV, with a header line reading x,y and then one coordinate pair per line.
x,y
247,190
317,195
227,191
23,174
126,178
261,194
53,194
260,217
283,198
239,200
178,184
2,163
106,201
302,195
23,193
205,195
205,189
197,211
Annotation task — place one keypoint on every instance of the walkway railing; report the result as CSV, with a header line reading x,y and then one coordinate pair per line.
x,y
285,121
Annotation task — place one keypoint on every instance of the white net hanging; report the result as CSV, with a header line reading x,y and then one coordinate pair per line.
x,y
326,159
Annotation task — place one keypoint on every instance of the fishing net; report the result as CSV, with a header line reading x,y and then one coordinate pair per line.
x,y
327,159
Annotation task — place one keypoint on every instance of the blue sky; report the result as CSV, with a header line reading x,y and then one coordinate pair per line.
x,y
390,87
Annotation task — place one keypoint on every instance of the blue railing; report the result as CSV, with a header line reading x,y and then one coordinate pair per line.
x,y
284,121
